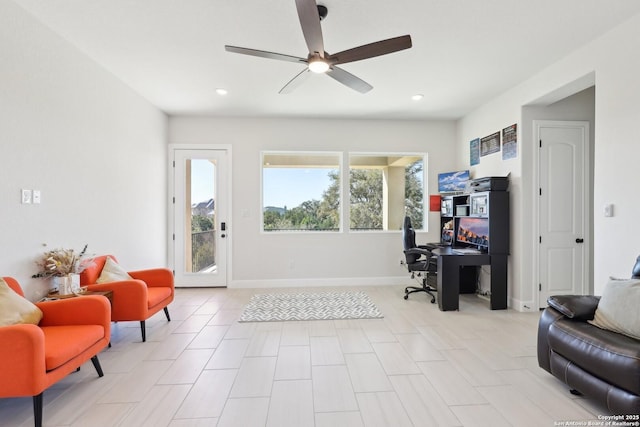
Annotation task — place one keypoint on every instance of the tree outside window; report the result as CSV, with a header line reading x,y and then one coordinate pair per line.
x,y
383,189
298,191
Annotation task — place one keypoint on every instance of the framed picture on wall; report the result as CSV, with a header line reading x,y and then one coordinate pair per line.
x,y
510,142
474,152
490,144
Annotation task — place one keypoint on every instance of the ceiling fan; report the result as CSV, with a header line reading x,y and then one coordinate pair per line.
x,y
318,60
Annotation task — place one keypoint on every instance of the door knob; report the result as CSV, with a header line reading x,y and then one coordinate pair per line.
x,y
579,240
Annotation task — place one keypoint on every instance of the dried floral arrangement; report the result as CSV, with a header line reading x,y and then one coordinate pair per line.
x,y
62,262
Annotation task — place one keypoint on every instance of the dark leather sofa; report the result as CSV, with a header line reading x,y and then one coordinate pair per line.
x,y
600,364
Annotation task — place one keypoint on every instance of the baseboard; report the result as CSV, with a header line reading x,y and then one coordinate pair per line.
x,y
523,306
322,282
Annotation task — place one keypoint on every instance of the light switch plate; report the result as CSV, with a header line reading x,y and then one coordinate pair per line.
x,y
608,210
36,196
26,196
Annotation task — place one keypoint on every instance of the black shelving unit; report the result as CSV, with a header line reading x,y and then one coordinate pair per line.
x,y
493,205
458,273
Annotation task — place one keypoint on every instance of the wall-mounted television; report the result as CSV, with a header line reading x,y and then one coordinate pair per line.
x,y
473,231
453,182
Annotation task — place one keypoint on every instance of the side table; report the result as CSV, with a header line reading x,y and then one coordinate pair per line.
x,y
55,295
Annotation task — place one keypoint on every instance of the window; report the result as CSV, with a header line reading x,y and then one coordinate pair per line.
x,y
300,191
383,188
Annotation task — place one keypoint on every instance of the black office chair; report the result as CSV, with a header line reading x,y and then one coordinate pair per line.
x,y
420,263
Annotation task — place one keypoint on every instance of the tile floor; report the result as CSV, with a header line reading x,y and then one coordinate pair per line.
x,y
416,367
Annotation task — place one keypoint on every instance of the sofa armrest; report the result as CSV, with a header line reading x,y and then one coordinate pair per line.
x,y
154,277
129,288
22,366
129,301
577,307
548,317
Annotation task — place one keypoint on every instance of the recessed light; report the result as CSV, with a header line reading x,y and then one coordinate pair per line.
x,y
417,97
221,91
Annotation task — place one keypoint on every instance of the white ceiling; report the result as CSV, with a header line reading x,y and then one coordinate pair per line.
x,y
464,52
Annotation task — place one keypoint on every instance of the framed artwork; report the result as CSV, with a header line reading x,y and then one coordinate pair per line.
x,y
510,142
452,182
490,144
474,151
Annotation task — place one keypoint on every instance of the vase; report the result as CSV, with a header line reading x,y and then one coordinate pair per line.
x,y
75,282
64,284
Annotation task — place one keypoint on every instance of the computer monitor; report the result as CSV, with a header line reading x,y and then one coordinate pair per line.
x,y
473,231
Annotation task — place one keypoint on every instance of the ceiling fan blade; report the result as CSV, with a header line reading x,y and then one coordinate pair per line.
x,y
349,80
295,82
371,50
264,54
310,23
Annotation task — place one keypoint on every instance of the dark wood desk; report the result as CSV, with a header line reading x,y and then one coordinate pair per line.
x,y
449,264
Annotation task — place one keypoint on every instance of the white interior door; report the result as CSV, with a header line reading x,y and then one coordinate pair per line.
x,y
563,208
201,228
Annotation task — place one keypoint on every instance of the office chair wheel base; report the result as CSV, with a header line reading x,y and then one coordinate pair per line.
x,y
425,288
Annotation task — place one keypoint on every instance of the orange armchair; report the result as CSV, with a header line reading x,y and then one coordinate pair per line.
x,y
33,357
137,299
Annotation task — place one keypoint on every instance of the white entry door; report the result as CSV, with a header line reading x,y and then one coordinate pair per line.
x,y
563,176
200,206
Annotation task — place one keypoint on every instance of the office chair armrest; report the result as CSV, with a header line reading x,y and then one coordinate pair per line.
x,y
418,251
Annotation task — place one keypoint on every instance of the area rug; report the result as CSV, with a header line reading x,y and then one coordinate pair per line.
x,y
309,306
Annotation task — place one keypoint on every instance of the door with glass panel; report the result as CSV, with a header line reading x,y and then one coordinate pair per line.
x,y
201,228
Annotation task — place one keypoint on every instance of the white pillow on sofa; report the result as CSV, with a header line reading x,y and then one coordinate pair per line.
x,y
15,309
112,272
618,308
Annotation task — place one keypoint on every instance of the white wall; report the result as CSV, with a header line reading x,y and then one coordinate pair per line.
x,y
314,259
617,114
95,149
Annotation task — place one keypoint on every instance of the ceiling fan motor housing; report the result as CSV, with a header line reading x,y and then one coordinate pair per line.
x,y
322,11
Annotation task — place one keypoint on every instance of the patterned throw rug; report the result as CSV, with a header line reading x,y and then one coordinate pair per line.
x,y
309,306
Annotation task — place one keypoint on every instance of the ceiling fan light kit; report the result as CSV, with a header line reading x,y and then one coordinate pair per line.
x,y
318,60
318,66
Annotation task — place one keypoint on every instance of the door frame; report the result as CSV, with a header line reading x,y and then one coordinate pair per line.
x,y
587,190
171,205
